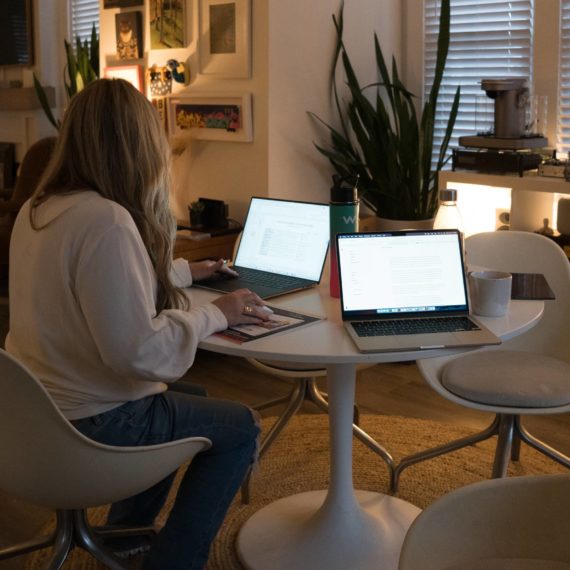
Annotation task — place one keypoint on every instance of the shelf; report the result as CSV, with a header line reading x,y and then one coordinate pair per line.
x,y
531,181
24,98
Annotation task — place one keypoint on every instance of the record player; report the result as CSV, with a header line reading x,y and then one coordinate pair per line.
x,y
509,146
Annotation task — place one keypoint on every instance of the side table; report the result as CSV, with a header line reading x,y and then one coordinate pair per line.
x,y
213,247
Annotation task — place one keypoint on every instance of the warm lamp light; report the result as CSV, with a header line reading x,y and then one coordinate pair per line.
x,y
480,206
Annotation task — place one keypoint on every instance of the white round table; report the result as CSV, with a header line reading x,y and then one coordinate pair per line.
x,y
339,528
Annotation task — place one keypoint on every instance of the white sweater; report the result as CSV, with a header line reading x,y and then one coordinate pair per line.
x,y
82,307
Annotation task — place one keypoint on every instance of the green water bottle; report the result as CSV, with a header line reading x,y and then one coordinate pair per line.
x,y
344,207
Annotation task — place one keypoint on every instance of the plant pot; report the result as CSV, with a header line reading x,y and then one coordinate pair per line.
x,y
377,224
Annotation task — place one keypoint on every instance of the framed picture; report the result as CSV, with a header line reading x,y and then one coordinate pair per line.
x,y
122,3
225,38
128,28
167,21
131,73
219,117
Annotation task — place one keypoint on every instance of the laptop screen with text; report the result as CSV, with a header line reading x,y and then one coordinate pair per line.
x,y
384,275
285,237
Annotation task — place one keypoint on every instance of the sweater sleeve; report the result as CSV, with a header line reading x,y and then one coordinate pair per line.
x,y
116,288
180,273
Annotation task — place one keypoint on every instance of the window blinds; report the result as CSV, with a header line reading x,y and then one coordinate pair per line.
x,y
563,130
83,13
489,39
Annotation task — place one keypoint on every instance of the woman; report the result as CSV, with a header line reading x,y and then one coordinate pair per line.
x,y
98,315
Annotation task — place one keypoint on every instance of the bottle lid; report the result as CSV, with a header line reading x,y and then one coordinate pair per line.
x,y
448,195
342,191
344,194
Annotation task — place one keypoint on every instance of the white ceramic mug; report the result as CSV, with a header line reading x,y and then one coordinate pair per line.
x,y
490,292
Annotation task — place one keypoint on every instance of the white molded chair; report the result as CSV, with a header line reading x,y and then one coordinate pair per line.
x,y
527,375
46,461
520,523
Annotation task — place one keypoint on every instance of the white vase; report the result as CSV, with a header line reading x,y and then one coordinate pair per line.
x,y
377,224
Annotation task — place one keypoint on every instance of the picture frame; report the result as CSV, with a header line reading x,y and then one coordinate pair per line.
x,y
225,38
129,35
213,117
131,73
167,24
122,3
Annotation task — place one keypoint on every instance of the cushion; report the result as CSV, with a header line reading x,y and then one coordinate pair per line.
x,y
509,378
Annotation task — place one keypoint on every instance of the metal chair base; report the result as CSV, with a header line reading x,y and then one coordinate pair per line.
x,y
509,431
307,389
72,529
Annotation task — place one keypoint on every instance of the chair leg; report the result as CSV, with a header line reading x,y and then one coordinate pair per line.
x,y
540,445
516,447
87,539
409,460
295,399
504,446
26,547
320,399
63,540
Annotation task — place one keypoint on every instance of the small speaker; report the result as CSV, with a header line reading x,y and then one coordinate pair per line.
x,y
563,219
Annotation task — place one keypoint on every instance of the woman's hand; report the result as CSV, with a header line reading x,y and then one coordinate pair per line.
x,y
207,268
242,307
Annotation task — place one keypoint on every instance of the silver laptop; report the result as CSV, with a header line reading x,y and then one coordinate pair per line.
x,y
283,248
403,291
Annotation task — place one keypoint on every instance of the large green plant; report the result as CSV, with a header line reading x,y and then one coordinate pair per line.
x,y
384,142
82,68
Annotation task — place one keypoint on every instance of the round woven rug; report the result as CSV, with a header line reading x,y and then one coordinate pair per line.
x,y
299,461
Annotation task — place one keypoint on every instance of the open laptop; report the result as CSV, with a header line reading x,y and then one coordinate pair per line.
x,y
283,248
406,290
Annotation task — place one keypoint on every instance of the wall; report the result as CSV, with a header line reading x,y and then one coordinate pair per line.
x,y
300,58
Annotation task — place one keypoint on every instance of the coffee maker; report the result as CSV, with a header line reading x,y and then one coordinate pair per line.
x,y
507,148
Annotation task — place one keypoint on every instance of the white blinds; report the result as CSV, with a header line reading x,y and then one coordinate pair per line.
x,y
83,13
564,79
489,39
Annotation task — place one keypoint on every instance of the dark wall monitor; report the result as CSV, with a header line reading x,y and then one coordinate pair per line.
x,y
16,32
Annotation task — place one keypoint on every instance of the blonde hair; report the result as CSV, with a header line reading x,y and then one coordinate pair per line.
x,y
112,142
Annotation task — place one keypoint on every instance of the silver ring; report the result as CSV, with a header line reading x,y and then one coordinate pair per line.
x,y
247,309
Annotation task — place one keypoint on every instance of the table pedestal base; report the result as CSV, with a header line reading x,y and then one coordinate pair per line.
x,y
300,532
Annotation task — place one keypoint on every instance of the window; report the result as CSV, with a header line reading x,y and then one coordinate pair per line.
x,y
563,133
82,15
489,39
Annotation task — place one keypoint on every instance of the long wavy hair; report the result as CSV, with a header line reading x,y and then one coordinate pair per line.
x,y
111,141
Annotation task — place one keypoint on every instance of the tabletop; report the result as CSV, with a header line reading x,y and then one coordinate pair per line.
x,y
326,342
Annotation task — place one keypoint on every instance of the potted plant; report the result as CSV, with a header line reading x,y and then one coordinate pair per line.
x,y
385,142
81,69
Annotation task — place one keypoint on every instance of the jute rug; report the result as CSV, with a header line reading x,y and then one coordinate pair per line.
x,y
298,461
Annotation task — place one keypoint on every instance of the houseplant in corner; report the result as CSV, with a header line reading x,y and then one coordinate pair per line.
x,y
384,141
81,69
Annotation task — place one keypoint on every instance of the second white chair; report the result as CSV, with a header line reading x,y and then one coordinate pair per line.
x,y
528,375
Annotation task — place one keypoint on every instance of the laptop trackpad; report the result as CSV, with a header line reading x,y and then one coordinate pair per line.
x,y
421,341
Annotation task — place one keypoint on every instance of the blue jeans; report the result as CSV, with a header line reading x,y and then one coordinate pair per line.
x,y
209,484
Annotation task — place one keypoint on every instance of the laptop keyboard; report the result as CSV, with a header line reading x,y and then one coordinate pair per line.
x,y
413,326
269,279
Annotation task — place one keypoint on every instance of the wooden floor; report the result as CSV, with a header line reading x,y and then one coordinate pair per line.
x,y
396,389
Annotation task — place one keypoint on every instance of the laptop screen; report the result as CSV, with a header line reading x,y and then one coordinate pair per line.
x,y
401,273
286,237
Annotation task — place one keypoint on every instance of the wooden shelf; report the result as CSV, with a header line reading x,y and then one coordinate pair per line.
x,y
531,181
24,98
210,248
